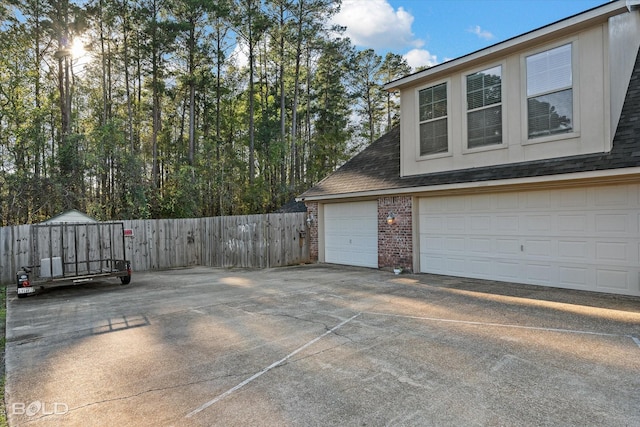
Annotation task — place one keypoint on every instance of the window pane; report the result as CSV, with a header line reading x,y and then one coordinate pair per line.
x,y
426,96
433,102
484,127
475,100
440,128
484,88
433,137
474,82
440,92
551,114
433,110
476,120
549,71
426,112
493,95
476,136
440,109
493,116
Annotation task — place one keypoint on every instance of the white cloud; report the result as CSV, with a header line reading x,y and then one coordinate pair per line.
x,y
420,58
483,34
375,24
240,54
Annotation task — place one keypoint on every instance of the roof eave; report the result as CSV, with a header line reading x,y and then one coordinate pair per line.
x,y
607,176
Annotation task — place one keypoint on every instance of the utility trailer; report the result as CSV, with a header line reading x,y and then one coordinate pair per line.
x,y
72,253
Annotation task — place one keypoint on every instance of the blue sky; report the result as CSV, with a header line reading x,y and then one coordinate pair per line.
x,y
428,32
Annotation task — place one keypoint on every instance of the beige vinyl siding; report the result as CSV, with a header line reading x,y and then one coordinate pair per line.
x,y
591,110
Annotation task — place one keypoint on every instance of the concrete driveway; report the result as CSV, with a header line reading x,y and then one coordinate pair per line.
x,y
320,345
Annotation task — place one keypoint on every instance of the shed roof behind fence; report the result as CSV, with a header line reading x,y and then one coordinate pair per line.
x,y
72,216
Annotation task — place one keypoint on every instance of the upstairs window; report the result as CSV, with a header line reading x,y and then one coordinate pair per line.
x,y
484,108
550,92
434,137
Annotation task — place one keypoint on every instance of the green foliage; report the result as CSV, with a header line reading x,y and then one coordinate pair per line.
x,y
179,199
332,107
164,120
393,67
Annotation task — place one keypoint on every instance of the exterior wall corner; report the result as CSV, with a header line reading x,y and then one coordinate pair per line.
x,y
312,212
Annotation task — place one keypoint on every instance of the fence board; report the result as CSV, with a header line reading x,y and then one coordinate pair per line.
x,y
15,246
253,241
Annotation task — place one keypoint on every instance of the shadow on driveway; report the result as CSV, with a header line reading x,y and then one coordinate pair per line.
x,y
321,345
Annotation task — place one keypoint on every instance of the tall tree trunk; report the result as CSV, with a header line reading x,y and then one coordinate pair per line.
x,y
283,116
218,117
67,171
192,93
40,150
104,183
138,89
103,74
109,105
295,160
251,105
127,77
370,108
155,59
63,69
306,148
63,85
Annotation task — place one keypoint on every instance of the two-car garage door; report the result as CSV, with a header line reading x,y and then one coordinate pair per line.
x,y
581,238
351,233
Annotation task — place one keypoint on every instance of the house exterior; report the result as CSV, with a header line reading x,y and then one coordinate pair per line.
x,y
519,162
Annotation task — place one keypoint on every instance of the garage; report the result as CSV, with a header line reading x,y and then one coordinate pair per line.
x,y
577,238
351,233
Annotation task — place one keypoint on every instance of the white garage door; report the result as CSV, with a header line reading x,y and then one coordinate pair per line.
x,y
351,233
583,238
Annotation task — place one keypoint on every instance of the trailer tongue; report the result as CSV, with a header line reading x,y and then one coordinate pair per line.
x,y
64,253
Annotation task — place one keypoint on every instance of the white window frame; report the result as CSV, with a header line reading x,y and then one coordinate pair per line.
x,y
465,119
575,87
449,151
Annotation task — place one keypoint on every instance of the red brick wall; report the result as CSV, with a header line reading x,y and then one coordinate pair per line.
x,y
312,209
395,241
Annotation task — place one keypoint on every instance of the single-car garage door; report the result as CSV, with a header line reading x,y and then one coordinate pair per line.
x,y
580,238
351,233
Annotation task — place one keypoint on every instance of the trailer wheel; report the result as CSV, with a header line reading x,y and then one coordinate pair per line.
x,y
125,280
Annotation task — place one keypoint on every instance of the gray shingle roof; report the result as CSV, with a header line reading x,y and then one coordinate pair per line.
x,y
377,167
292,207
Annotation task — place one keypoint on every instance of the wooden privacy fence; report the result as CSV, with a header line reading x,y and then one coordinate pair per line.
x,y
255,241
